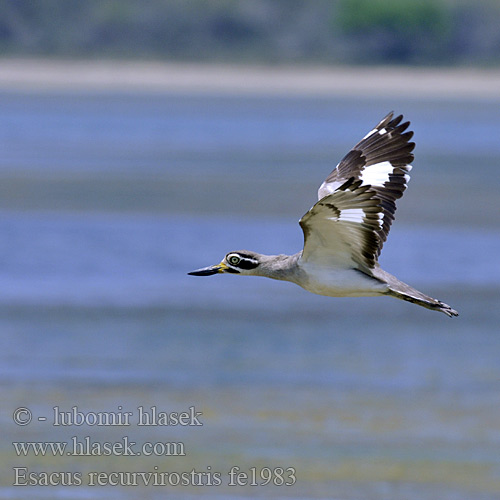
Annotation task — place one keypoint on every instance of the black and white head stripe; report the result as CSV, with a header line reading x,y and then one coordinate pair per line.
x,y
381,160
241,261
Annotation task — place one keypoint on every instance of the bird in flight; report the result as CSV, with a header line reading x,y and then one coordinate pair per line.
x,y
345,230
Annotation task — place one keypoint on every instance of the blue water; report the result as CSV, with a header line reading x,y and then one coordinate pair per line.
x,y
139,260
108,200
130,132
212,151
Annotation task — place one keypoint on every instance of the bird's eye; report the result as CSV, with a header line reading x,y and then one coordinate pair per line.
x,y
233,260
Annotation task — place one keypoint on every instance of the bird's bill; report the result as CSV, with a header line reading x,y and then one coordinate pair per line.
x,y
210,270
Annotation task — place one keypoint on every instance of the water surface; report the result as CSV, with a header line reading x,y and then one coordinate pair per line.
x,y
107,200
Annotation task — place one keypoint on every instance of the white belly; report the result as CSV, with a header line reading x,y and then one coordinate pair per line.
x,y
337,282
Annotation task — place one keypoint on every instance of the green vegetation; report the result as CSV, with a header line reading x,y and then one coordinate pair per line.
x,y
288,31
396,30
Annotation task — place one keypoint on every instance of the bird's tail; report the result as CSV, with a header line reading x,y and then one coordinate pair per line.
x,y
402,291
412,295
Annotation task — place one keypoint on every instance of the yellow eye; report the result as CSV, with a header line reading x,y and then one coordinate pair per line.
x,y
233,260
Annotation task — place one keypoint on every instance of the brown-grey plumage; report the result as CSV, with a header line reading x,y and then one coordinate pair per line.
x,y
338,242
375,148
345,230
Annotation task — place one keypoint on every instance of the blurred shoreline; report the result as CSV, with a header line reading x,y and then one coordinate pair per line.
x,y
316,81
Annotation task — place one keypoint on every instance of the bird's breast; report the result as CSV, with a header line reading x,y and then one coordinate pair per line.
x,y
337,282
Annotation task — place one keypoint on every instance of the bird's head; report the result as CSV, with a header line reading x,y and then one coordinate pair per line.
x,y
239,262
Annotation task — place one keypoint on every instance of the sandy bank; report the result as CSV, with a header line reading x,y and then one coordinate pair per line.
x,y
32,75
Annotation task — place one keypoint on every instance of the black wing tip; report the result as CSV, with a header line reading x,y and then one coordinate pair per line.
x,y
396,121
391,122
385,121
388,116
398,129
408,135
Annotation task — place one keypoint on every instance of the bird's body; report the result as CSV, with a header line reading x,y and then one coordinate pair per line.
x,y
345,230
336,282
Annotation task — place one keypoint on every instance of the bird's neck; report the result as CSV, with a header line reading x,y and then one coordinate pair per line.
x,y
280,267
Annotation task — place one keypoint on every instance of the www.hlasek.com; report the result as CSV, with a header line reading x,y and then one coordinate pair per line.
x,y
277,476
86,447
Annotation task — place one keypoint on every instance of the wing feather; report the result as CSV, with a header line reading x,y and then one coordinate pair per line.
x,y
342,228
380,160
349,224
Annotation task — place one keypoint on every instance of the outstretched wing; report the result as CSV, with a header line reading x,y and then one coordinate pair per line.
x,y
380,160
341,229
349,224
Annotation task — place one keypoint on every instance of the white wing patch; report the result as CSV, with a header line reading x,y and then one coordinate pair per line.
x,y
380,162
352,215
369,134
382,131
327,188
377,174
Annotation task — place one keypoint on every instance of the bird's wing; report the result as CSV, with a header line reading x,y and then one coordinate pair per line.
x,y
356,206
341,230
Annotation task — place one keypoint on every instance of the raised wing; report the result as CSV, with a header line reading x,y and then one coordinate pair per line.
x,y
381,160
342,228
